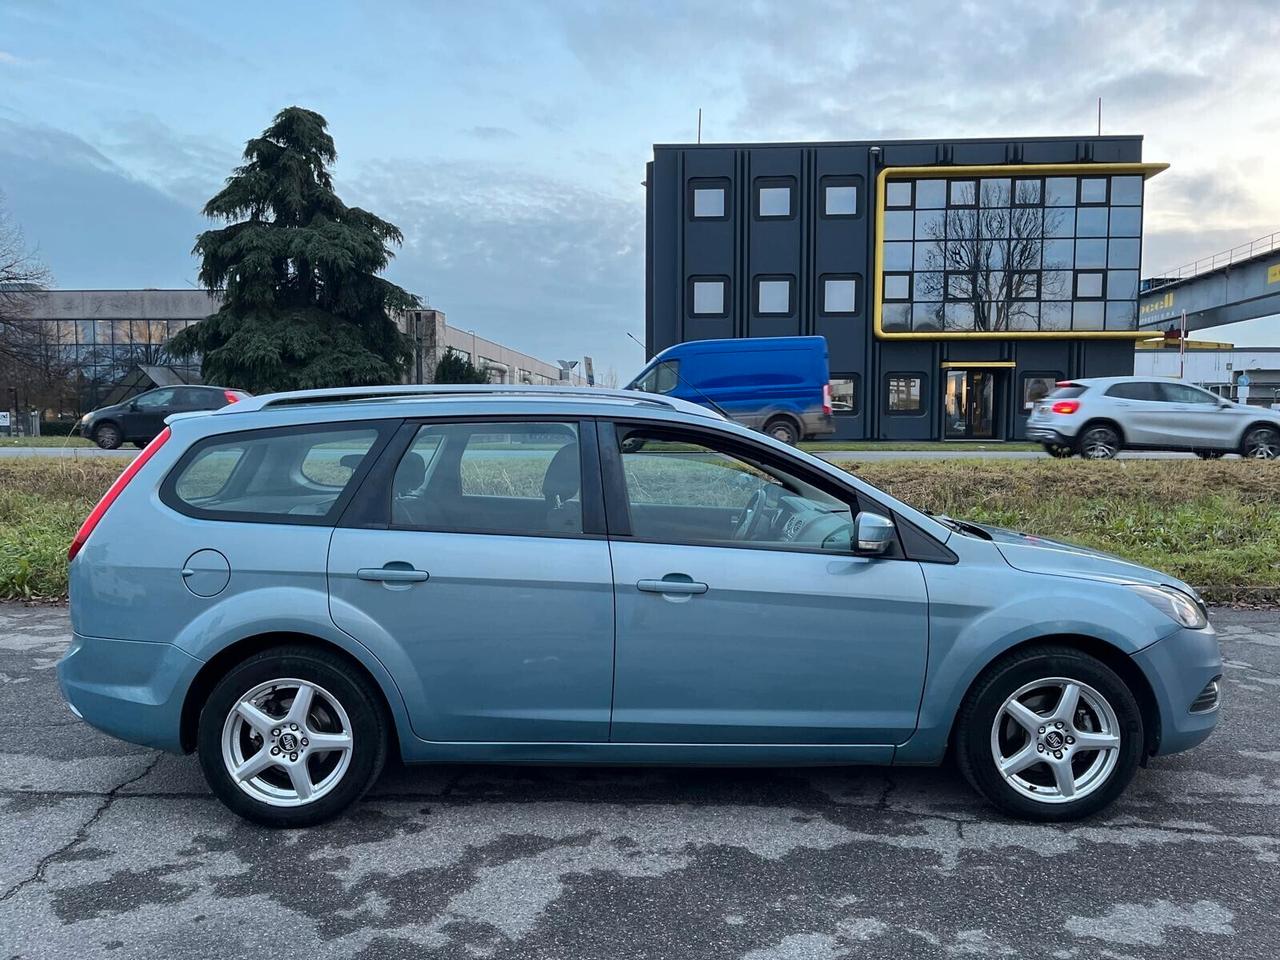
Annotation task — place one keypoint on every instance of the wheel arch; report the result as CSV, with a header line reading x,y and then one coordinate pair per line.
x,y
217,666
1101,422
779,414
1253,425
1112,656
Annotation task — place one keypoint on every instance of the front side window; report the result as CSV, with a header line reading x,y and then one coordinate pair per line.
x,y
905,393
155,400
1182,393
682,490
660,378
503,478
271,475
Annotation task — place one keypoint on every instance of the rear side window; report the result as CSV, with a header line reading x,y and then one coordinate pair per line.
x,y
1067,391
286,476
1134,391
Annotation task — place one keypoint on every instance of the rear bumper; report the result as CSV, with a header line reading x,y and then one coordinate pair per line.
x,y
1041,434
131,689
819,425
1179,667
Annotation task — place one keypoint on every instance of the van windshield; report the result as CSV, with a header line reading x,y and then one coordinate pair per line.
x,y
660,377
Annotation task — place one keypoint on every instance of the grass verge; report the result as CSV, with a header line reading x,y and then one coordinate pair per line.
x,y
76,441
1215,524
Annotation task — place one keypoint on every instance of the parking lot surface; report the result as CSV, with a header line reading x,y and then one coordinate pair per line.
x,y
111,850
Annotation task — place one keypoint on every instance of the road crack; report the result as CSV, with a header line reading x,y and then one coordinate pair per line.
x,y
81,834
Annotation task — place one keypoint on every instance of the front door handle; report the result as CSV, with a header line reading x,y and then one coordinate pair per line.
x,y
672,583
393,573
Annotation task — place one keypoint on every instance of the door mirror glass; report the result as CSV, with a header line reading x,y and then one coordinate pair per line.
x,y
873,534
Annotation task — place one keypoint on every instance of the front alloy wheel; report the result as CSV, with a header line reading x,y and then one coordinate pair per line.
x,y
1099,443
1262,443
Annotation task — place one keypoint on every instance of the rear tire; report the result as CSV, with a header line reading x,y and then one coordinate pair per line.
x,y
784,429
108,436
1020,710
1261,443
1099,442
300,766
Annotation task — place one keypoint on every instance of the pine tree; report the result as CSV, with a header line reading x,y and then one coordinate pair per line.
x,y
303,304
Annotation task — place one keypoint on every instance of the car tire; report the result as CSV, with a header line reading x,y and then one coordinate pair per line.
x,y
1261,443
107,436
1060,450
1211,454
784,429
1099,442
1049,788
314,773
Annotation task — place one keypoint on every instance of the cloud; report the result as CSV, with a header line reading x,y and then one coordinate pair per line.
x,y
188,167
491,133
10,60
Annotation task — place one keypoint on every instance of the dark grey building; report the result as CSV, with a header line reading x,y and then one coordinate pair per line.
x,y
954,280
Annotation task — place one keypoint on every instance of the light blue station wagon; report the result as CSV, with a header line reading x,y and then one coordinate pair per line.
x,y
297,584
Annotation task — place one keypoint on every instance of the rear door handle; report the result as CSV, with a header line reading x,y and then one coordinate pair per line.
x,y
683,586
396,574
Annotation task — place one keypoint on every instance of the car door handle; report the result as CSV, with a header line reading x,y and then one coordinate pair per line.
x,y
393,574
681,586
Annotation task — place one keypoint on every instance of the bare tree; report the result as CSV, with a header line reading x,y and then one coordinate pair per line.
x,y
21,274
985,259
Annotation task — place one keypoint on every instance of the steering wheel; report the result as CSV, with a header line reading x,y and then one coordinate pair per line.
x,y
753,515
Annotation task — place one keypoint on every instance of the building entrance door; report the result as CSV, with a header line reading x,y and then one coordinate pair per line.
x,y
968,405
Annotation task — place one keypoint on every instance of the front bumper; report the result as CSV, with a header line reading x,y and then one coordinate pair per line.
x,y
131,689
1179,667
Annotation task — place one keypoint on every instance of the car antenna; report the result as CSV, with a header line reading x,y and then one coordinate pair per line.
x,y
710,403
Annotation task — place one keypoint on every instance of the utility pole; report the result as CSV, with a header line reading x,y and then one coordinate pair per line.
x,y
1182,346
1099,116
699,124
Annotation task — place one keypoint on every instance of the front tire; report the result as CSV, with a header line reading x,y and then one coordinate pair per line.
x,y
784,429
1099,442
108,436
1261,443
1049,734
291,737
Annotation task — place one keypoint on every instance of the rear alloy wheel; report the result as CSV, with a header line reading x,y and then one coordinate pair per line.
x,y
291,737
1099,443
108,436
1059,450
1262,443
1050,734
784,429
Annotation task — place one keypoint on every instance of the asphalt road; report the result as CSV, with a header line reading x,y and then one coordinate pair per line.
x,y
110,850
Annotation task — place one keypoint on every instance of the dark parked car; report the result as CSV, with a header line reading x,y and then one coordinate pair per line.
x,y
140,419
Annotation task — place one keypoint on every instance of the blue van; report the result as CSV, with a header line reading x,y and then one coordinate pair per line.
x,y
778,385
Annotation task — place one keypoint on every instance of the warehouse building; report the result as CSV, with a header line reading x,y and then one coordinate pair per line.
x,y
954,281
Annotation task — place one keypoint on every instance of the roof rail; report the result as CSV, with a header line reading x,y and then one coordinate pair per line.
x,y
428,390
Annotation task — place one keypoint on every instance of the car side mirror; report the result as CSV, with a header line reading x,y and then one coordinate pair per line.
x,y
872,534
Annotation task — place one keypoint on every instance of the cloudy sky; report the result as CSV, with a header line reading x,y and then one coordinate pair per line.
x,y
508,139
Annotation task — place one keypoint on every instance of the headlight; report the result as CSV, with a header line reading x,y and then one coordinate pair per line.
x,y
1173,603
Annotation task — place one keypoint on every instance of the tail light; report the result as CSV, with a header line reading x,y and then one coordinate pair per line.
x,y
826,399
1066,406
114,491
231,395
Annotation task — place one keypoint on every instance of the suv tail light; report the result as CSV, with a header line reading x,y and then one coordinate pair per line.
x,y
114,491
1066,406
826,399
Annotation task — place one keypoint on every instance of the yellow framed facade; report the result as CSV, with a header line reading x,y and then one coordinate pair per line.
x,y
978,364
1147,171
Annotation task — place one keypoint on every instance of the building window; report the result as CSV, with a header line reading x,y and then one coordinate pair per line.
x,y
773,295
897,286
774,198
962,193
905,393
1126,191
1037,386
1090,284
898,193
1028,193
1024,286
709,199
840,196
844,394
840,293
1093,190
708,296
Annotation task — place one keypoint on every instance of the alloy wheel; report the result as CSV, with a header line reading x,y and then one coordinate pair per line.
x,y
1262,443
1055,740
287,742
1099,444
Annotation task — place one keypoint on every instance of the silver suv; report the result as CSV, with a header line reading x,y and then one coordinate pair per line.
x,y
1097,418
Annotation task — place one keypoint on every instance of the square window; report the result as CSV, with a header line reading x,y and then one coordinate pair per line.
x,y
1024,286
844,393
1059,221
1090,284
929,256
773,198
1126,191
1124,253
1091,222
839,294
1060,191
897,256
931,194
927,316
905,393
1055,315
1122,284
897,286
962,193
1122,315
960,286
959,316
896,316
931,224
839,197
1093,190
927,285
1091,253
1059,254
773,295
709,199
897,193
962,224
1023,315
1087,316
1126,221
1027,193
995,192
1056,285
709,299
898,225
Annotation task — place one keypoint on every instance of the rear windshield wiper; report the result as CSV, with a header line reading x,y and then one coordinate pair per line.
x,y
963,526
